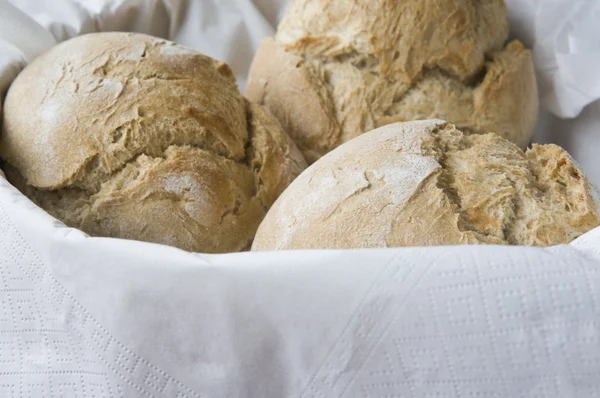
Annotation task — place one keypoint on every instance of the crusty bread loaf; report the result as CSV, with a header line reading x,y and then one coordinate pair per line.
x,y
338,69
129,136
425,183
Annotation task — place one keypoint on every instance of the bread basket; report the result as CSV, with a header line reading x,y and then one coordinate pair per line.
x,y
99,317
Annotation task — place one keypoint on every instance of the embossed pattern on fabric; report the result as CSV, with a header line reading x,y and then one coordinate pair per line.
x,y
51,347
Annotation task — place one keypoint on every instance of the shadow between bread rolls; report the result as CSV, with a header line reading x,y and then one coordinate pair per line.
x,y
425,183
129,136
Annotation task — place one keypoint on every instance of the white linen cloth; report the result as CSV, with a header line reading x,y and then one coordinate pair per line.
x,y
96,317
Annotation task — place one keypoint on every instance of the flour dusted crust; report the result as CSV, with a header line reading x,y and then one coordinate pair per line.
x,y
125,135
338,69
426,183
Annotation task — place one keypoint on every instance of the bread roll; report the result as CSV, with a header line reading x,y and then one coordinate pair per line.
x,y
128,136
338,69
425,183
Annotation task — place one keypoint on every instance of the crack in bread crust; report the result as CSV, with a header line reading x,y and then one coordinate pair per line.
x,y
517,195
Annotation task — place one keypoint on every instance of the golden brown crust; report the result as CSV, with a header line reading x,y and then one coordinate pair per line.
x,y
129,136
425,183
453,36
370,63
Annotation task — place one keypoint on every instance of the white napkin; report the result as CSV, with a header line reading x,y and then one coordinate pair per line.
x,y
94,317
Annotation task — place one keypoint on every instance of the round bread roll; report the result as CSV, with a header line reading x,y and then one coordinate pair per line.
x,y
128,136
425,183
338,69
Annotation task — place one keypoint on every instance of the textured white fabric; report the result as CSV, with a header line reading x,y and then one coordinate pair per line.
x,y
83,317
562,34
93,317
